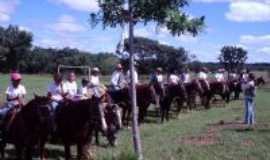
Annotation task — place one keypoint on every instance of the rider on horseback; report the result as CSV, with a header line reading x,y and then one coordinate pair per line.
x,y
173,78
118,78
15,95
70,88
219,76
203,76
157,85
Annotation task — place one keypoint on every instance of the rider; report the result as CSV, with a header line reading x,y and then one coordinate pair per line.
x,y
219,76
157,85
185,77
94,78
203,76
15,94
70,86
173,78
83,91
55,91
118,78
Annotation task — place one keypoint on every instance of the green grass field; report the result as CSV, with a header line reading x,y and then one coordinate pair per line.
x,y
213,134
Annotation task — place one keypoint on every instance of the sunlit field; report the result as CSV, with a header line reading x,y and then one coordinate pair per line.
x,y
214,134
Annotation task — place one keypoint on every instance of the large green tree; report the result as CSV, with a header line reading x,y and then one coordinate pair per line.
x,y
14,43
165,13
233,57
151,54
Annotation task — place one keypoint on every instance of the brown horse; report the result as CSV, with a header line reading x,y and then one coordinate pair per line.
x,y
221,89
173,91
144,99
77,121
235,88
192,90
260,81
28,127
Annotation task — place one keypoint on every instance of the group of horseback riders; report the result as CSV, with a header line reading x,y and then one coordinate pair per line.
x,y
158,90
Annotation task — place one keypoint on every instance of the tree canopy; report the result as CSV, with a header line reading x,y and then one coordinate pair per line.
x,y
233,57
151,54
13,43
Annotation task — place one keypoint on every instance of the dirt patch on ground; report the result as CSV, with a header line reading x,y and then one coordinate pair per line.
x,y
208,138
248,143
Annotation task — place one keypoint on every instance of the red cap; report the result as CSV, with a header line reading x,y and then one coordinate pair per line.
x,y
15,76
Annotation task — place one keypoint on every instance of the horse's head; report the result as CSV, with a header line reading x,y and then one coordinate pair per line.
x,y
114,122
38,111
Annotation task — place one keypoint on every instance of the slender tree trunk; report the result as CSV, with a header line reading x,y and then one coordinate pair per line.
x,y
135,127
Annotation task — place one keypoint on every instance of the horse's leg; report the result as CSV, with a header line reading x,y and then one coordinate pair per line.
x,y
67,151
19,149
42,149
79,151
97,136
29,151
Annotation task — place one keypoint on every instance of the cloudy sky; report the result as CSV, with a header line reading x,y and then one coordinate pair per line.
x,y
60,23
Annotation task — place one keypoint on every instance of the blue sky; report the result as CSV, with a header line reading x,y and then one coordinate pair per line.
x,y
60,23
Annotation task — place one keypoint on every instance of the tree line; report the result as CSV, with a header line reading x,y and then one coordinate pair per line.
x,y
18,53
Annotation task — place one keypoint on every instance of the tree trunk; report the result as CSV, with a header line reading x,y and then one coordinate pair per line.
x,y
135,127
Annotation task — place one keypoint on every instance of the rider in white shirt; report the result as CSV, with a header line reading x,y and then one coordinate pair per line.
x,y
202,75
219,76
15,94
118,78
173,78
186,76
70,86
94,78
55,91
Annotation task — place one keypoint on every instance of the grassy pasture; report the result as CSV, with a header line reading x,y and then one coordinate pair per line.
x,y
214,134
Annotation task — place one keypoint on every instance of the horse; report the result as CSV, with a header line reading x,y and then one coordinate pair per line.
x,y
144,99
173,91
221,89
260,81
205,92
27,127
234,87
192,90
77,121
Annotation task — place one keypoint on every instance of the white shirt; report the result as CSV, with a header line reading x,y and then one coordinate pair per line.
x,y
219,77
245,77
70,88
55,91
186,78
202,75
94,80
83,90
136,79
159,78
116,78
174,79
12,92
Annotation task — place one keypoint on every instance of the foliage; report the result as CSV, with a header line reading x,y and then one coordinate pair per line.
x,y
14,43
166,13
233,57
151,54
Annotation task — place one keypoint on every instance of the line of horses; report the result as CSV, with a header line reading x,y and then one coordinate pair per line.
x,y
76,123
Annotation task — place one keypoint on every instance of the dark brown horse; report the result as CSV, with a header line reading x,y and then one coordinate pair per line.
x,y
144,99
260,81
173,91
192,90
28,127
235,88
77,121
221,89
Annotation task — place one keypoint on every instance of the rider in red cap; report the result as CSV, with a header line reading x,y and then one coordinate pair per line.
x,y
15,94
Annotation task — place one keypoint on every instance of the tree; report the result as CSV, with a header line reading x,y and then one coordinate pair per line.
x,y
232,57
166,13
14,43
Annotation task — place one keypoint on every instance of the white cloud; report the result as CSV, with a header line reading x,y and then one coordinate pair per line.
x,y
249,11
211,1
264,50
255,40
7,7
80,5
67,24
142,32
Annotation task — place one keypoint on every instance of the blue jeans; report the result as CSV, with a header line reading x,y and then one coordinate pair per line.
x,y
5,109
249,110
